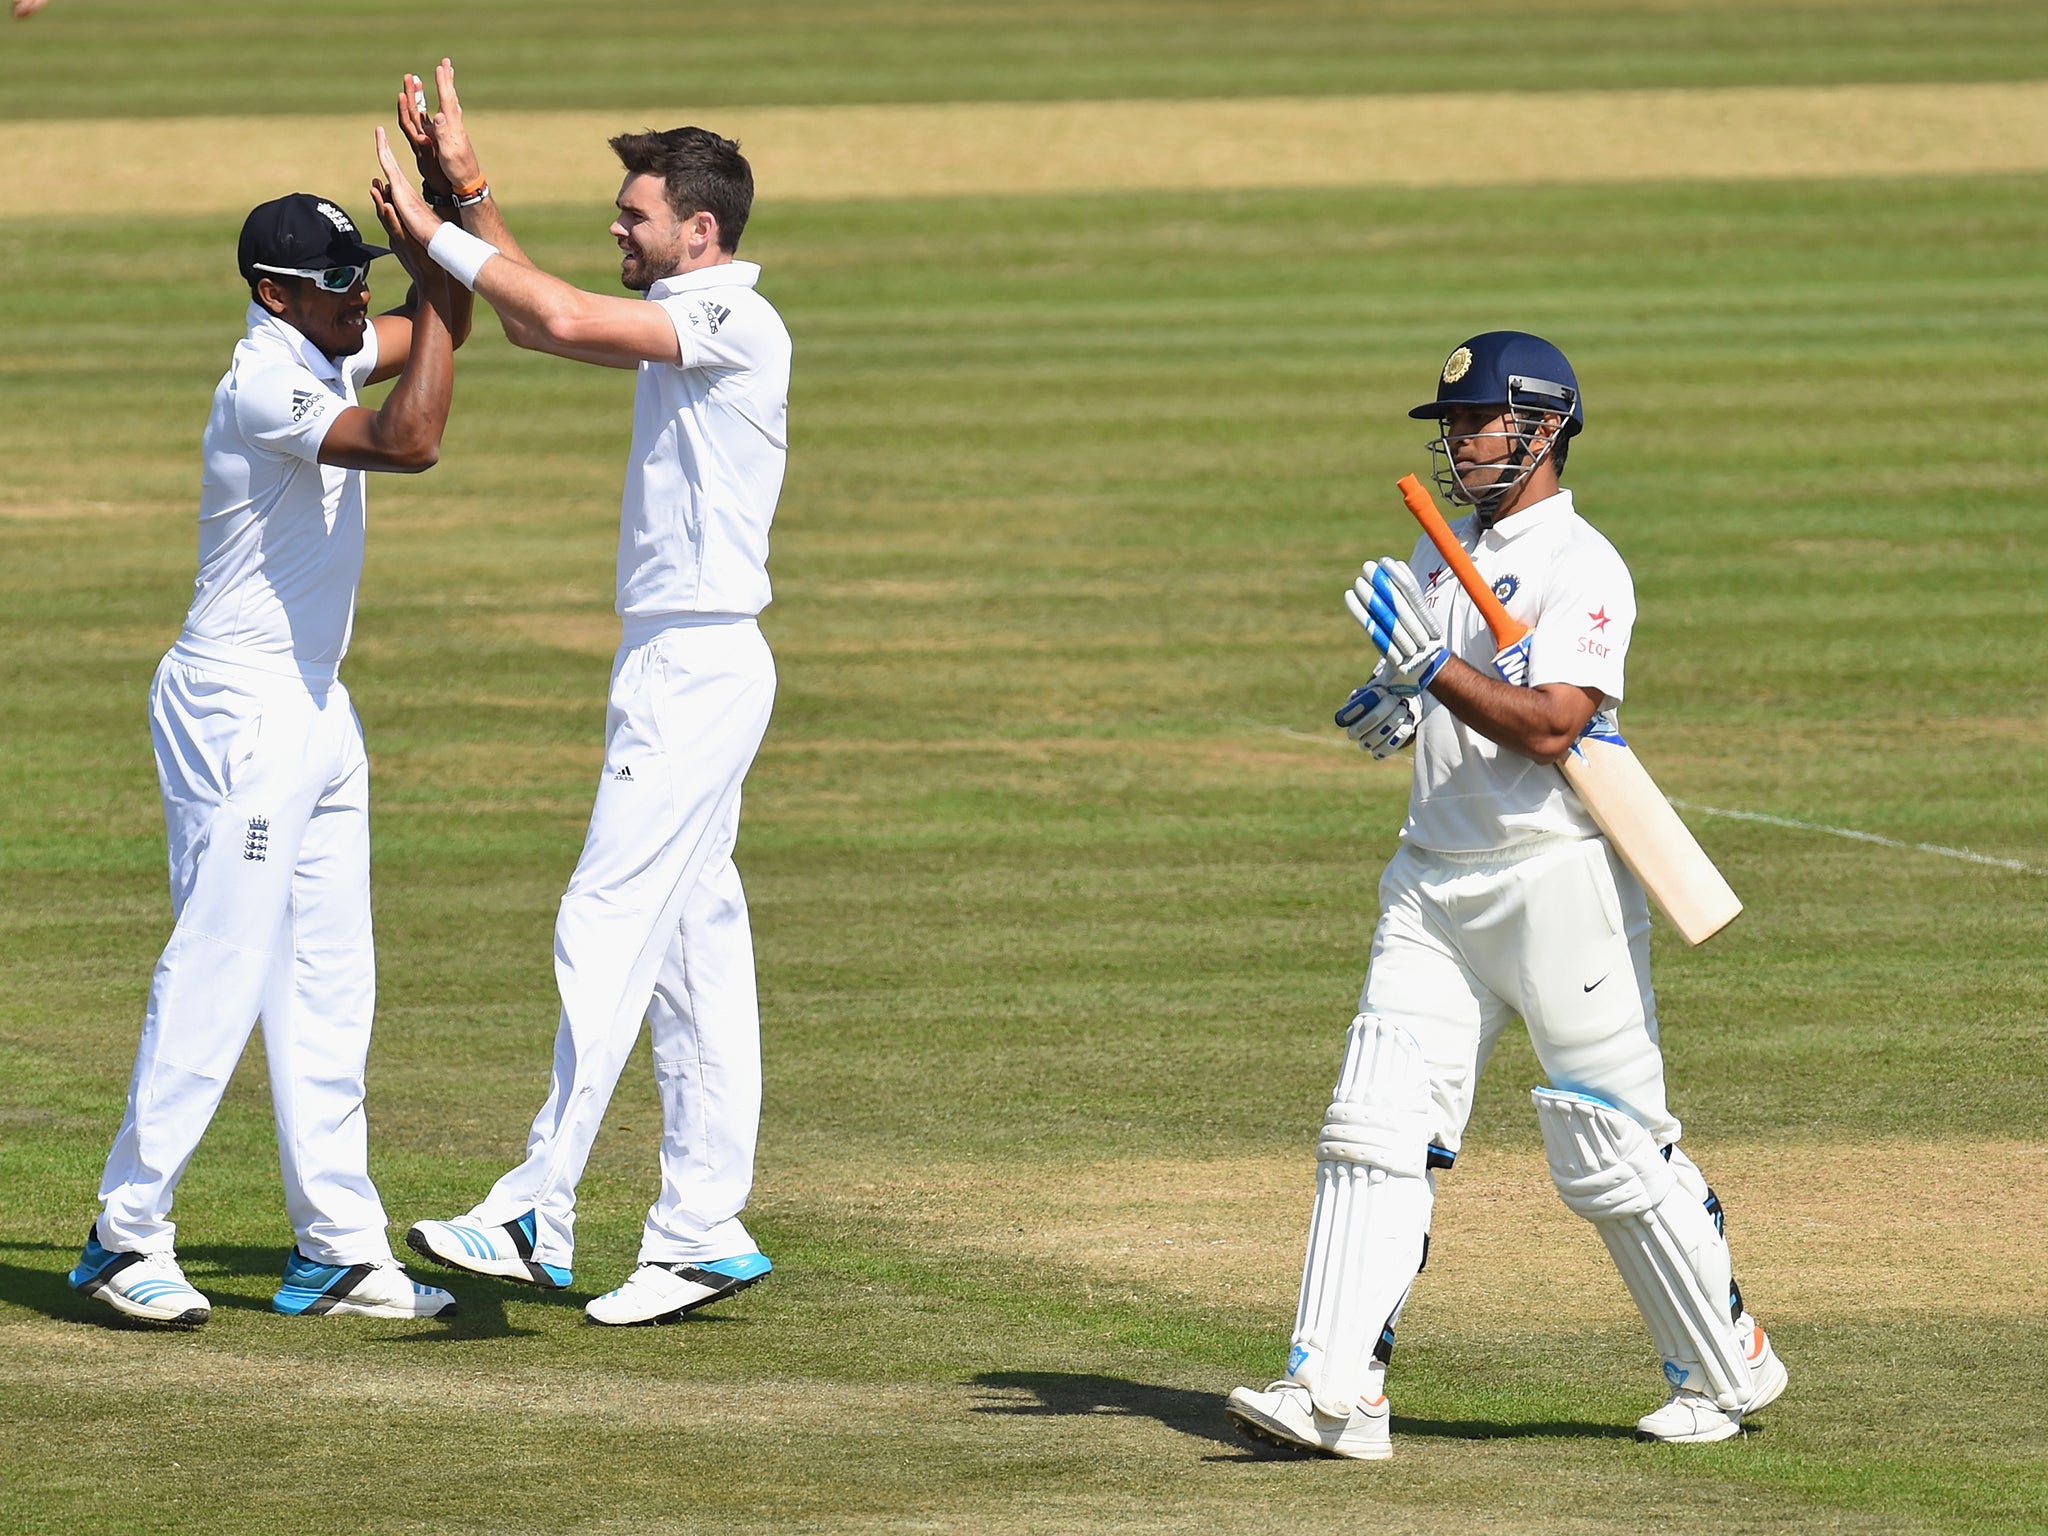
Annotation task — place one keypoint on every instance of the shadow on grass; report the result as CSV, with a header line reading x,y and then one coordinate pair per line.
x,y
45,1288
1061,1393
1200,1414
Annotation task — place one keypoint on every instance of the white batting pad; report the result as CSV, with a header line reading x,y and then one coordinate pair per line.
x,y
1371,1216
1664,1242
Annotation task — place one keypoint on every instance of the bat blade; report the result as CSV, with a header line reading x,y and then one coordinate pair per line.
x,y
1625,803
1616,790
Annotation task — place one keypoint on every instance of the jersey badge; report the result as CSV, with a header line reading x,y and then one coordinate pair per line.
x,y
1506,588
256,842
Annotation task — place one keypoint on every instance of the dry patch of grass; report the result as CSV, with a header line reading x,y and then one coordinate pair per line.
x,y
220,164
1821,1233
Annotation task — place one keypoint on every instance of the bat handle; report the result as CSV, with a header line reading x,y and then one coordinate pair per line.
x,y
1506,628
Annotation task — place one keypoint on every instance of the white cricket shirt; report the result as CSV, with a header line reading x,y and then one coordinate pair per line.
x,y
1558,574
709,444
280,534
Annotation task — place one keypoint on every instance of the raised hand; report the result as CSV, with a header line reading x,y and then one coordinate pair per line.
x,y
439,140
412,122
395,197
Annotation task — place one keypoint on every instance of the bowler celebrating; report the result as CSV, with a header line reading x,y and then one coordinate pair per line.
x,y
654,923
1503,900
265,784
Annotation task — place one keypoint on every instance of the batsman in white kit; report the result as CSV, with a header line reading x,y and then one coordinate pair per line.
x,y
654,923
1504,900
265,785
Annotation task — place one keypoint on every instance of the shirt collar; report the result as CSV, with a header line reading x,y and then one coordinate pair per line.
x,y
724,274
1530,518
263,323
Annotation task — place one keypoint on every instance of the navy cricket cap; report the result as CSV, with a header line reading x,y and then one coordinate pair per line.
x,y
1508,367
302,231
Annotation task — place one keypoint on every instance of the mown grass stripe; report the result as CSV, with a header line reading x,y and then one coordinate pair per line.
x,y
958,149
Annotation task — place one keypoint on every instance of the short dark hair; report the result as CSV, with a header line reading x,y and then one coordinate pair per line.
x,y
702,173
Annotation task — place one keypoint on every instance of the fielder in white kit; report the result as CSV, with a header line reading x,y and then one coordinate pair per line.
x,y
1503,900
265,784
654,923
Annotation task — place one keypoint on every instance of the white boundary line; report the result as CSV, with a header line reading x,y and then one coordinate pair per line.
x,y
1939,849
1761,818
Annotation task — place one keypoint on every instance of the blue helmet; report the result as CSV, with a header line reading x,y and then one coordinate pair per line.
x,y
1529,378
1508,368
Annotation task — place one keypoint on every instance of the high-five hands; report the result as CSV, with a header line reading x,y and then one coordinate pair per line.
x,y
1388,604
440,143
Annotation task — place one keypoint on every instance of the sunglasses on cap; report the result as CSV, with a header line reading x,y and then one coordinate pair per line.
x,y
326,279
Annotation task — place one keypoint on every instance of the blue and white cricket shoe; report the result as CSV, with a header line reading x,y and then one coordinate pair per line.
x,y
503,1251
148,1287
356,1290
665,1293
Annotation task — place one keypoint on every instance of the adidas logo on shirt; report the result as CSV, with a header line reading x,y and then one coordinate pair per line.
x,y
708,316
625,774
303,400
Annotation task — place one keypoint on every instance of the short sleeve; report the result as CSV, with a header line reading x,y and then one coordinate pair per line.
x,y
717,329
1581,636
285,410
364,363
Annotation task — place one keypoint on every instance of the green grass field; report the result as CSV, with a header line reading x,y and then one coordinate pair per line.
x,y
1061,888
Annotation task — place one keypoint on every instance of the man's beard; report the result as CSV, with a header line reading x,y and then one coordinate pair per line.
x,y
639,273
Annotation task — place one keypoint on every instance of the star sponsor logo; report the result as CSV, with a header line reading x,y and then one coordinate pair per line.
x,y
1588,646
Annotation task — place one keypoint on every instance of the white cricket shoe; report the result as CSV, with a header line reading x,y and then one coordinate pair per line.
x,y
356,1290
148,1287
504,1251
664,1293
1285,1415
1689,1418
1766,1371
1692,1418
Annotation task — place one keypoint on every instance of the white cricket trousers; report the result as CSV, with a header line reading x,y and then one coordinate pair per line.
x,y
654,926
1555,932
266,805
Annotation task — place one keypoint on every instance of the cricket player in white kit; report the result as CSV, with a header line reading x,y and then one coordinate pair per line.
x,y
654,923
265,784
1503,900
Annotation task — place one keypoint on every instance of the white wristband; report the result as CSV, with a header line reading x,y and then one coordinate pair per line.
x,y
460,254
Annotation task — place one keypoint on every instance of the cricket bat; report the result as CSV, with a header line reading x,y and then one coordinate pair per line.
x,y
1616,790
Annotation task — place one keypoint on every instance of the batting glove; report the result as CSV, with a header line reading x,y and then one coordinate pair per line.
x,y
1387,602
1377,721
1512,663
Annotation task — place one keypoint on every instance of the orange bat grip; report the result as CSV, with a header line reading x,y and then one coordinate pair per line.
x,y
1506,628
